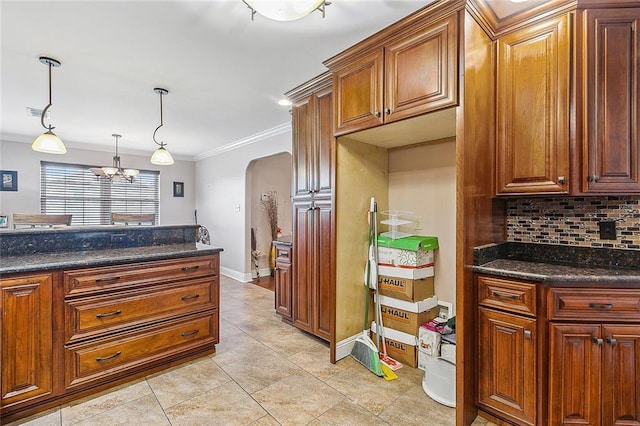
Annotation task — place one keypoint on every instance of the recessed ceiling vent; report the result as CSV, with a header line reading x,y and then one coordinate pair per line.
x,y
36,112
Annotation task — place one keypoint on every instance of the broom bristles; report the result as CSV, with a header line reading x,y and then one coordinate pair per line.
x,y
366,355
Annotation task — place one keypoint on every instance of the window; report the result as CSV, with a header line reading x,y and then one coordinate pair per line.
x,y
73,189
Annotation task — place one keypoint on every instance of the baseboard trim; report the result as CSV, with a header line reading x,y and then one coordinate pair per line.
x,y
238,276
344,347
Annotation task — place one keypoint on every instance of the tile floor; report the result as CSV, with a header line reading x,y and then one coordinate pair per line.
x,y
263,373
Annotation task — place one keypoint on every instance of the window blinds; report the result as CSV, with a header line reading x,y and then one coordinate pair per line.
x,y
74,189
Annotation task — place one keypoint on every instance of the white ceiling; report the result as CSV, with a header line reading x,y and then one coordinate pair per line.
x,y
224,72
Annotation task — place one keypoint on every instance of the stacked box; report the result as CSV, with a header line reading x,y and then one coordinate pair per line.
x,y
402,347
406,289
407,316
413,252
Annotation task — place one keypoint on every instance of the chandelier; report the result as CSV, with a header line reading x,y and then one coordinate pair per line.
x,y
285,10
110,172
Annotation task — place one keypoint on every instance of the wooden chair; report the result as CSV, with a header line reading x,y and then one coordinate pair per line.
x,y
29,220
133,219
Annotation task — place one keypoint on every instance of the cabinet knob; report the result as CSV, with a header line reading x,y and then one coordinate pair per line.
x,y
561,180
377,113
387,111
527,334
592,179
597,341
612,341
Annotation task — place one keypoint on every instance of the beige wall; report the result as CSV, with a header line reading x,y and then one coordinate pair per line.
x,y
20,157
422,179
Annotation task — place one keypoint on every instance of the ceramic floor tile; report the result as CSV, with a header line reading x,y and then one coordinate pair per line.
x,y
267,420
286,342
142,411
315,361
347,413
260,370
240,347
227,405
187,381
227,330
46,418
414,407
84,408
297,399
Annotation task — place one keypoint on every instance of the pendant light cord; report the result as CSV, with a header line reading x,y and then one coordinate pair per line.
x,y
161,123
44,111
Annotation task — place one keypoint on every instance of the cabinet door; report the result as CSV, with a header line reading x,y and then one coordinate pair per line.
x,y
325,147
303,112
323,266
303,257
621,375
611,68
421,71
533,109
27,338
574,374
283,281
358,91
507,364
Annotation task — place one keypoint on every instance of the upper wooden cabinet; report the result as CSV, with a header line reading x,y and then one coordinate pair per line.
x,y
533,107
608,101
409,73
312,127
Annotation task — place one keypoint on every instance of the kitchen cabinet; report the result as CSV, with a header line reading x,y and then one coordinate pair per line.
x,y
533,109
409,73
313,272
26,339
594,369
283,292
507,349
608,96
312,253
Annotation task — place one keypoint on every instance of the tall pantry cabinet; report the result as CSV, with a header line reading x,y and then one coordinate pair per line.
x,y
313,249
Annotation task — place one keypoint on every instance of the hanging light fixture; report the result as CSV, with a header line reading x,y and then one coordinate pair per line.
x,y
48,141
285,10
110,172
161,157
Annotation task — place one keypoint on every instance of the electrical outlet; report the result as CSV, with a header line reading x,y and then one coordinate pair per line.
x,y
607,230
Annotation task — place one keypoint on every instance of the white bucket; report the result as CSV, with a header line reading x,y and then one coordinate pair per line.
x,y
439,381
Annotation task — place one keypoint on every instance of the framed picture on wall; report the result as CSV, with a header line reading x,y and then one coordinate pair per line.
x,y
9,180
4,223
178,189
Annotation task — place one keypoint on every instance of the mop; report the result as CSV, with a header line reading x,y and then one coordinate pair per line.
x,y
385,359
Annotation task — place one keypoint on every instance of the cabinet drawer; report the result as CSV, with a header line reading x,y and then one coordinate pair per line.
x,y
110,278
117,355
91,316
594,304
508,295
283,254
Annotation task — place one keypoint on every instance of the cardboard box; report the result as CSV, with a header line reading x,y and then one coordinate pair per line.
x,y
405,288
428,343
407,316
400,346
408,273
415,251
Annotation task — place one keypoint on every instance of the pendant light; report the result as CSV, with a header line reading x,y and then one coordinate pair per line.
x,y
110,172
285,10
48,142
161,157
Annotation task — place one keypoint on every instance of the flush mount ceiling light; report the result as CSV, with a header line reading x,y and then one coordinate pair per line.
x,y
116,169
161,157
285,10
48,142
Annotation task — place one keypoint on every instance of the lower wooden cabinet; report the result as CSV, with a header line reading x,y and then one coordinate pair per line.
x,y
594,369
283,281
66,333
26,339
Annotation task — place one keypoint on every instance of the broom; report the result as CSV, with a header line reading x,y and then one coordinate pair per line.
x,y
364,350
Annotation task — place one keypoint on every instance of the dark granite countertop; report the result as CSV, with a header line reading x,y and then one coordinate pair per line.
x,y
91,258
558,264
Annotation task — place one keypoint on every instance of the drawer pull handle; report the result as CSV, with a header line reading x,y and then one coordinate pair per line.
x,y
107,358
612,341
109,314
190,268
192,297
527,334
107,279
597,341
506,296
601,305
190,333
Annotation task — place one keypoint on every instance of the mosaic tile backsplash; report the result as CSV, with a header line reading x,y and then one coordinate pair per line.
x,y
574,221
